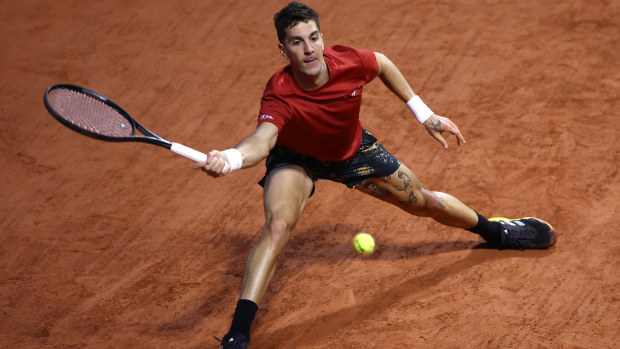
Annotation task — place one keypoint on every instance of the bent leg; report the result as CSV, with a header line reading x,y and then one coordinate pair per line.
x,y
404,190
286,192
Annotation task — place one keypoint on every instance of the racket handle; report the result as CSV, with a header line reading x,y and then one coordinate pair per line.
x,y
188,152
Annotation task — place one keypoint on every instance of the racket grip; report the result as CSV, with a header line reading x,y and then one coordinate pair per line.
x,y
188,152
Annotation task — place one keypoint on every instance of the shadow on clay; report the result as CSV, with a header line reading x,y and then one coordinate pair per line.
x,y
308,330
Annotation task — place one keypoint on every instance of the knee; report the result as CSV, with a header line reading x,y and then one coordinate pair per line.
x,y
428,204
277,231
433,201
279,228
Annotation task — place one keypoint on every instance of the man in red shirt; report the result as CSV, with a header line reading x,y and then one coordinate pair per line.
x,y
309,129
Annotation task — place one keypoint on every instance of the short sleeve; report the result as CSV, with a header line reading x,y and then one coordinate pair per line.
x,y
360,63
369,61
273,110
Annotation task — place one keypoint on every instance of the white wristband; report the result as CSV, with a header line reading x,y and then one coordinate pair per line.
x,y
419,109
234,158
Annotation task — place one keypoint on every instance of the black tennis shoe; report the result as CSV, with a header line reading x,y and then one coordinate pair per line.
x,y
233,341
525,233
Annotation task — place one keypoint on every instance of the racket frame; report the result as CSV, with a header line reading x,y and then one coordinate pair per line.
x,y
149,137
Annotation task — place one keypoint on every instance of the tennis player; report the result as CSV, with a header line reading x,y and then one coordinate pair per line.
x,y
309,129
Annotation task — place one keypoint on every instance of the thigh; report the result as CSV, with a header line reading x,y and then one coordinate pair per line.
x,y
287,189
401,188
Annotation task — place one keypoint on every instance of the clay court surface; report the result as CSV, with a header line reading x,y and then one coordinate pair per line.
x,y
106,245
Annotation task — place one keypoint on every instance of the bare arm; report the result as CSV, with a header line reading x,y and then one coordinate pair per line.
x,y
393,79
396,82
253,149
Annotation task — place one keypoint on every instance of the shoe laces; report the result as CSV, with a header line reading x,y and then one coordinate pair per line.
x,y
517,233
516,241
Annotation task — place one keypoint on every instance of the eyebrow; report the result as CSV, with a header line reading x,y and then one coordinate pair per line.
x,y
300,38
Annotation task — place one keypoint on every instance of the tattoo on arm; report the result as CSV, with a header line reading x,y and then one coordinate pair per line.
x,y
436,126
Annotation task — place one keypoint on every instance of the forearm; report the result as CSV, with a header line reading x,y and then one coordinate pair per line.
x,y
396,82
252,151
248,152
256,147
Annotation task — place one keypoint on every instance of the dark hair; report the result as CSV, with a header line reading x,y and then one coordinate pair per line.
x,y
292,14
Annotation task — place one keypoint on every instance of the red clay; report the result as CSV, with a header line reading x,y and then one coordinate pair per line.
x,y
125,245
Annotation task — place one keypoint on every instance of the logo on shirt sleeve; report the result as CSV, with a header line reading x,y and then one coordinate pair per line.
x,y
265,117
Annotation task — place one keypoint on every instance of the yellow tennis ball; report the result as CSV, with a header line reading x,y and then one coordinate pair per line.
x,y
364,243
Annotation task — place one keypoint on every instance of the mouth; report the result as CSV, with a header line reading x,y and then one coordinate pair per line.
x,y
310,60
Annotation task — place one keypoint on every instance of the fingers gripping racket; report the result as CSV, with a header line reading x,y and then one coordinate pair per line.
x,y
92,114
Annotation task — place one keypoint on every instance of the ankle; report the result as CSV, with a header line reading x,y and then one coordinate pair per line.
x,y
489,231
243,318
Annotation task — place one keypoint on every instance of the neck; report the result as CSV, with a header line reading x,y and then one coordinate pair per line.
x,y
312,82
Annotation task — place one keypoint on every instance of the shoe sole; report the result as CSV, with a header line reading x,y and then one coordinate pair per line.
x,y
500,219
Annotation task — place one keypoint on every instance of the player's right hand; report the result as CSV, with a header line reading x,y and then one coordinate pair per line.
x,y
217,164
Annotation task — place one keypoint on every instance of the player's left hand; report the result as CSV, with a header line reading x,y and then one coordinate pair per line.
x,y
436,125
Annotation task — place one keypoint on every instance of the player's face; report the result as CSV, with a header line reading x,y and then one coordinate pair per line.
x,y
303,47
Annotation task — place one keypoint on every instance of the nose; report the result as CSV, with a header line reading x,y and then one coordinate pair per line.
x,y
308,49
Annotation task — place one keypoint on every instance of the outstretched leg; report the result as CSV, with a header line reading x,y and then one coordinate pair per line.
x,y
404,190
286,191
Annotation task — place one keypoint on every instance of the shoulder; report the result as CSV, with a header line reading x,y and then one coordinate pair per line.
x,y
281,82
274,103
340,50
361,63
345,54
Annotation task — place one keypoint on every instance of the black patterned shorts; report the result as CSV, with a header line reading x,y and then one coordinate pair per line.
x,y
370,161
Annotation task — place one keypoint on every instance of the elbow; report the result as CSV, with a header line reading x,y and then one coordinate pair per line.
x,y
262,150
266,149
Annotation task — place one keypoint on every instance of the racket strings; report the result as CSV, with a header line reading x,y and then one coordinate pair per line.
x,y
89,113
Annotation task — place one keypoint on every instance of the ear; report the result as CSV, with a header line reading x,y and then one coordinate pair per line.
x,y
282,50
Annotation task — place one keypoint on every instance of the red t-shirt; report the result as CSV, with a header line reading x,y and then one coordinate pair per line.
x,y
323,123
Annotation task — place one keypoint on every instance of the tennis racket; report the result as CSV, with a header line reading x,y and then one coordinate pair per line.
x,y
93,115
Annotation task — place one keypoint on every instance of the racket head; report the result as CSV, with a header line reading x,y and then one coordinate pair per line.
x,y
89,113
